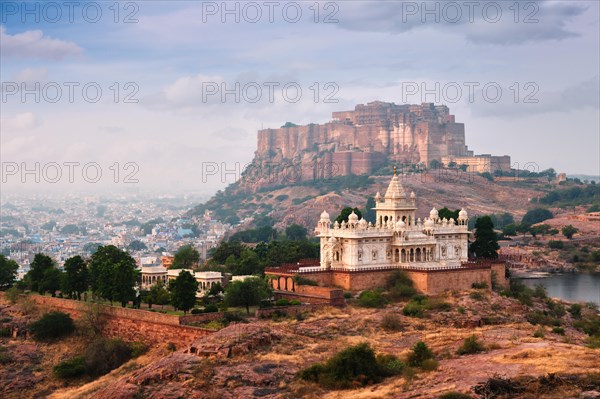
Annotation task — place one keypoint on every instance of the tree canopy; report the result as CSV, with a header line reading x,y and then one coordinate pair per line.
x,y
183,291
8,272
248,292
537,215
343,216
295,232
113,274
37,271
486,240
75,280
186,257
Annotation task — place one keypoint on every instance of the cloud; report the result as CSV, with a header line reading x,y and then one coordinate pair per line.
x,y
19,122
33,44
31,75
577,97
482,22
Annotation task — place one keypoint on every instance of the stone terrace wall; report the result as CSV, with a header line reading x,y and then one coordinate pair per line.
x,y
289,310
131,325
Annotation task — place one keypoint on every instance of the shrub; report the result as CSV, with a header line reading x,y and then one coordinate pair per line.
x,y
558,330
391,322
282,302
71,368
347,294
575,310
104,355
438,304
400,285
371,299
470,346
389,365
211,308
295,302
593,342
138,348
553,244
196,311
479,285
231,317
477,295
539,333
460,310
420,353
415,307
355,365
52,325
539,292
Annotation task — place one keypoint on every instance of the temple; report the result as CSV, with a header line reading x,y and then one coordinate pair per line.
x,y
359,255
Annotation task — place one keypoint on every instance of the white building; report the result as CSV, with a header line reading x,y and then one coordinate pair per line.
x,y
398,239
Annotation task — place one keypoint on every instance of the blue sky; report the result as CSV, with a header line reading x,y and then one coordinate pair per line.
x,y
376,50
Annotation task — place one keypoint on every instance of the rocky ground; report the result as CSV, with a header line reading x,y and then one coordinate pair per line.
x,y
262,357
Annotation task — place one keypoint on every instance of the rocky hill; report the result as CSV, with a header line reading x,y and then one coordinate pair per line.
x,y
302,202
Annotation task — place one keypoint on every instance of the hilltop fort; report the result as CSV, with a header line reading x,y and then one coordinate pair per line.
x,y
372,135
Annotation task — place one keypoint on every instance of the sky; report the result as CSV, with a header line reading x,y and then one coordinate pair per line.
x,y
168,96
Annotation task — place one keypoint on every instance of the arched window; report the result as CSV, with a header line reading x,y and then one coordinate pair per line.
x,y
397,255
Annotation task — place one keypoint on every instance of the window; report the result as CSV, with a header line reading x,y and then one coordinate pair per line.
x,y
374,255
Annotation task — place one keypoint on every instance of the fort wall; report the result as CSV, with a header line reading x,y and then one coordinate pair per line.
x,y
130,325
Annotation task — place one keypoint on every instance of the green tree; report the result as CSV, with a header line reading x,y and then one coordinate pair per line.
x,y
343,216
158,294
8,272
75,280
370,214
296,232
37,269
569,231
113,274
486,240
448,214
537,215
420,353
510,230
434,164
186,257
51,281
248,292
183,291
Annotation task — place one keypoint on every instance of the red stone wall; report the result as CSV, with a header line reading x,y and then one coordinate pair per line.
x,y
131,324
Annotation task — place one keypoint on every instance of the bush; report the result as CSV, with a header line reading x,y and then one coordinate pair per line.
x,y
470,346
400,286
138,348
231,317
104,355
553,244
300,280
391,322
389,365
211,308
371,299
295,302
71,368
414,309
196,311
355,365
347,294
52,325
558,330
282,302
479,285
420,353
460,310
477,295
575,310
539,333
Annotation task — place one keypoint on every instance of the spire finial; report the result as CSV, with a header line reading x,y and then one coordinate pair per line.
x,y
394,170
